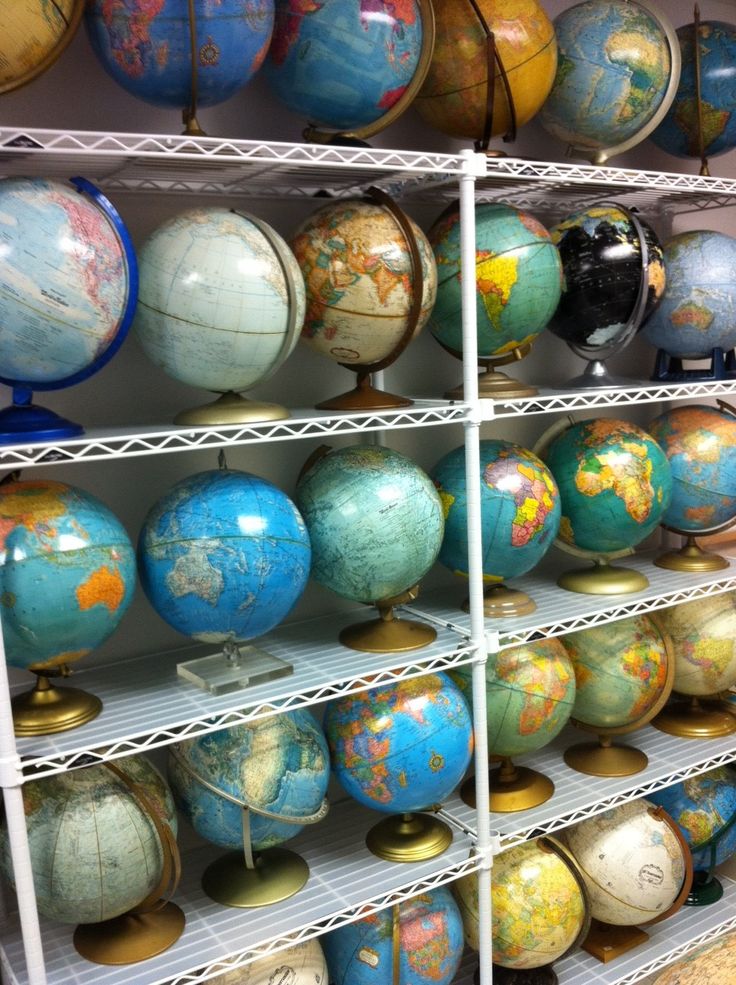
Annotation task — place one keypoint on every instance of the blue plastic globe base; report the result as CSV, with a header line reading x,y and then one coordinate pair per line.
x,y
669,369
21,423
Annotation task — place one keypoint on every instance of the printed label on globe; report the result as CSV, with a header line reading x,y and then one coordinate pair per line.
x,y
651,874
368,956
283,976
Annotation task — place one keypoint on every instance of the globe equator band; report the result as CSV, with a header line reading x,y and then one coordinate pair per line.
x,y
261,812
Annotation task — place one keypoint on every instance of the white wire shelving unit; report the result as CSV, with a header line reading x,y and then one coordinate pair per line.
x,y
346,881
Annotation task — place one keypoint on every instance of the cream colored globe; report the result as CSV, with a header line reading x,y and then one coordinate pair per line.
x,y
703,634
632,862
302,964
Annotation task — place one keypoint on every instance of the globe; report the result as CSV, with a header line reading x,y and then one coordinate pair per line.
x,y
616,76
710,965
34,35
430,933
700,443
147,48
517,277
346,65
360,281
698,311
223,556
454,96
278,767
520,509
632,861
68,290
402,747
614,481
621,673
609,256
68,573
703,634
95,852
221,306
538,904
301,964
678,132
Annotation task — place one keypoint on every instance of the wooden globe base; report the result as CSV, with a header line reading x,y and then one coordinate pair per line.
x,y
493,384
596,759
606,941
501,602
364,397
695,720
545,975
411,837
232,408
512,788
278,874
45,709
131,937
690,557
387,635
603,579
706,889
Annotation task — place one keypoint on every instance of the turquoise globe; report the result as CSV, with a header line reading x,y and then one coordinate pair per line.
x,y
520,509
678,132
615,484
344,64
430,944
697,312
518,279
67,573
704,806
146,47
613,77
95,852
277,766
402,747
700,444
375,522
223,556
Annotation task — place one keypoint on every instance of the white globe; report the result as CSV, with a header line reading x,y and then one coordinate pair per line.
x,y
302,964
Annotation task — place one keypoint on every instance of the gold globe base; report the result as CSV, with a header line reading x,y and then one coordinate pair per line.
x,y
493,385
409,837
695,720
45,709
500,602
595,759
603,579
232,408
278,874
131,937
606,941
512,788
364,397
690,557
387,635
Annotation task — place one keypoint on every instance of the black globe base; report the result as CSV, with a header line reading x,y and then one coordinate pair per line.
x,y
706,889
669,369
22,423
521,976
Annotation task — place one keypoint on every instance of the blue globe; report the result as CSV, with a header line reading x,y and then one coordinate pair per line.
x,y
697,312
705,809
279,765
341,63
520,509
224,555
146,48
678,132
402,747
430,944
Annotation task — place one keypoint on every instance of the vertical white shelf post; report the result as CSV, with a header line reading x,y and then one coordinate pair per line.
x,y
475,166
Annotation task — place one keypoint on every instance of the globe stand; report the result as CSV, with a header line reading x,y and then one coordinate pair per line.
x,y
499,602
234,668
512,788
232,408
493,385
669,369
690,557
602,758
693,719
267,877
521,976
45,709
607,941
131,937
706,889
409,837
364,396
25,421
603,579
596,375
387,634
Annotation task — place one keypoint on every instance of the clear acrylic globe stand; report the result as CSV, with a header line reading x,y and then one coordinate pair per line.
x,y
23,421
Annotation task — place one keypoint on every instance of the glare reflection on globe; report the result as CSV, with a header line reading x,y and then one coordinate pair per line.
x,y
221,306
430,932
301,964
345,65
538,904
617,74
34,35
